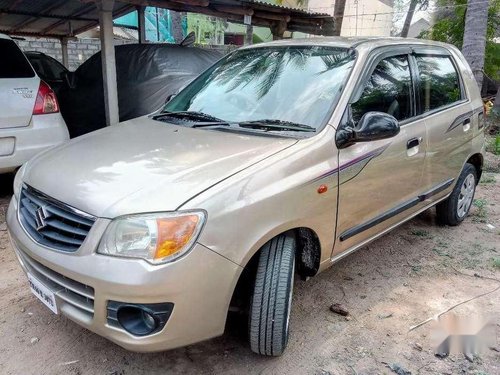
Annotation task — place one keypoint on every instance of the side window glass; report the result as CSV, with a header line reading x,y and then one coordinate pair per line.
x,y
387,90
439,82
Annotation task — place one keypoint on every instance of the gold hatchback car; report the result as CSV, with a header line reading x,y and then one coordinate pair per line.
x,y
276,162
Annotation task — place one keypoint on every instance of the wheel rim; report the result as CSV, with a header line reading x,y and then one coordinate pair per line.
x,y
466,195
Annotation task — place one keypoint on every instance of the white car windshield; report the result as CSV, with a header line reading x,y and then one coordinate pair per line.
x,y
285,84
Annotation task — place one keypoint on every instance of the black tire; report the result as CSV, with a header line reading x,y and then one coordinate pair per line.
x,y
272,297
448,210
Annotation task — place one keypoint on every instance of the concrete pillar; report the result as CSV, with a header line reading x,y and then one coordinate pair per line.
x,y
64,50
278,29
105,8
249,35
141,18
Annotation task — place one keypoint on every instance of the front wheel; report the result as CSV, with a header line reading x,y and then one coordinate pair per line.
x,y
455,208
272,297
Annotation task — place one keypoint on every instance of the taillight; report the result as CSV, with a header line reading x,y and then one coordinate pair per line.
x,y
46,101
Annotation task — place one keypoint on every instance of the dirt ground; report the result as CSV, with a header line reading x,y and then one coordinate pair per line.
x,y
409,275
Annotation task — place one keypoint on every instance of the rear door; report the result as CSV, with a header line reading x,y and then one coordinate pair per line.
x,y
18,86
447,110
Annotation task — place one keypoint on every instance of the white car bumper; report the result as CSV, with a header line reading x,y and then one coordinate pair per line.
x,y
18,145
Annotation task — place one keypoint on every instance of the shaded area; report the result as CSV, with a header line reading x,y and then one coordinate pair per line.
x,y
146,75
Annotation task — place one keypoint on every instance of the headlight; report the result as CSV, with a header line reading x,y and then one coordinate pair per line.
x,y
18,181
157,238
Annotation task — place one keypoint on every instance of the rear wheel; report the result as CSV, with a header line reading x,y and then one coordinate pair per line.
x,y
272,297
455,208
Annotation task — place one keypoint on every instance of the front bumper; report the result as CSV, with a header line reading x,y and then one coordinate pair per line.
x,y
200,285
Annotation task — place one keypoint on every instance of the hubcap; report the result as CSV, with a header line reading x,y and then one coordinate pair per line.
x,y
466,195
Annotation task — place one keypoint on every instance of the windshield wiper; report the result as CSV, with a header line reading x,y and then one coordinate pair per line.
x,y
277,125
208,124
193,115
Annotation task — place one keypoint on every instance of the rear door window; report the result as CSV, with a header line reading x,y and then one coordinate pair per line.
x,y
13,63
388,90
439,82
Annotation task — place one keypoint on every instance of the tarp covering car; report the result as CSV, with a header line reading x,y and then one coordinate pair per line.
x,y
146,75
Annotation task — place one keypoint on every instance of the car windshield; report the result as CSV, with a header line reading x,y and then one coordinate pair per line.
x,y
292,84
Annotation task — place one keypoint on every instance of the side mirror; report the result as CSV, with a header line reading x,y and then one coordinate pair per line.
x,y
70,79
371,127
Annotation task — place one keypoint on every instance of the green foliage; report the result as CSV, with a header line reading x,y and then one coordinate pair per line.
x,y
496,262
481,213
450,29
493,145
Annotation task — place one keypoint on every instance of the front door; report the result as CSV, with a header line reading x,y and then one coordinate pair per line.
x,y
380,181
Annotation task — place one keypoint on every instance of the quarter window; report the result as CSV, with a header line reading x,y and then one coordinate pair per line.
x,y
387,90
439,82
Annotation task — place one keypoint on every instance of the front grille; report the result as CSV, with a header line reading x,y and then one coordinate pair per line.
x,y
78,295
51,223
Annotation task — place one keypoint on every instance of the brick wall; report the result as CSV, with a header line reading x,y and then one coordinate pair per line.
x,y
78,50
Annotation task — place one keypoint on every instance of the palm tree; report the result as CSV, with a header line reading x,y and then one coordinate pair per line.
x,y
338,15
496,104
422,4
474,43
267,67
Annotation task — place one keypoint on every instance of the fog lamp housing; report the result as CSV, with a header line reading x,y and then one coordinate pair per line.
x,y
139,319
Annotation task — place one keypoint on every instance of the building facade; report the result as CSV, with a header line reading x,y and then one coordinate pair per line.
x,y
361,17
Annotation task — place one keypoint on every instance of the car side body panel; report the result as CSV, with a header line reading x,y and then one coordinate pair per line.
x,y
273,197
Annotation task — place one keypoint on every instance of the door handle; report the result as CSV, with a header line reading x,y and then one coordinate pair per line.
x,y
414,142
466,124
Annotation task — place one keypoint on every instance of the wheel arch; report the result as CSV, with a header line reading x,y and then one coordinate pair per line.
x,y
477,161
307,256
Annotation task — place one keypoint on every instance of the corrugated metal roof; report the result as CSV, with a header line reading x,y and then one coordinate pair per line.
x,y
277,6
54,18
58,18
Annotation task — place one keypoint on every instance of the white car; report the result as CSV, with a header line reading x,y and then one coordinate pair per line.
x,y
30,120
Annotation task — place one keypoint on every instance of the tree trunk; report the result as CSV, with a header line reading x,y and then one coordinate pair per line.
x,y
496,104
474,43
409,17
338,15
176,18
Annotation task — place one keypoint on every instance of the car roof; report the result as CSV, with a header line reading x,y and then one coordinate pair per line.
x,y
351,42
3,36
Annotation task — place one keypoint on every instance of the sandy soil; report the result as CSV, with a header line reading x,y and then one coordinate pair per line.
x,y
405,277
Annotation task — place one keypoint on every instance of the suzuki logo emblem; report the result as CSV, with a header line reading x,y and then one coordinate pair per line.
x,y
40,217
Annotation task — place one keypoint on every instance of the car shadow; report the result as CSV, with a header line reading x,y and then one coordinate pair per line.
x,y
6,183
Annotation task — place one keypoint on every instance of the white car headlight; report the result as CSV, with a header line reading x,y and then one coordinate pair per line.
x,y
157,238
18,181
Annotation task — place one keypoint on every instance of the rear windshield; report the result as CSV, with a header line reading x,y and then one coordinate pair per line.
x,y
13,63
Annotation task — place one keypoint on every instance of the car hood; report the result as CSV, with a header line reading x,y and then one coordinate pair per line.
x,y
144,165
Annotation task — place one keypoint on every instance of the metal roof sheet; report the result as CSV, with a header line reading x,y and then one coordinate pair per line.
x,y
59,18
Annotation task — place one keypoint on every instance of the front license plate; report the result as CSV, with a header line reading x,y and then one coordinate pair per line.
x,y
43,293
